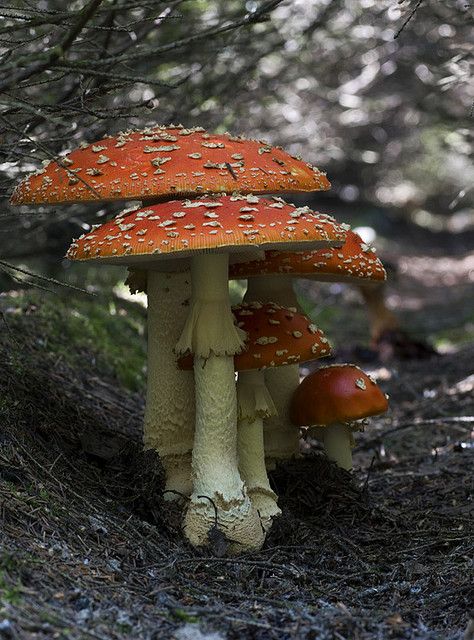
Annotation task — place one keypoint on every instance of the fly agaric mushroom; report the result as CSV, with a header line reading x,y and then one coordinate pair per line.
x,y
271,278
155,164
167,162
177,234
276,337
336,398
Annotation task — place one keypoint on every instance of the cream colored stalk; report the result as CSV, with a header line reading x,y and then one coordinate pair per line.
x,y
281,439
169,412
218,490
255,404
338,443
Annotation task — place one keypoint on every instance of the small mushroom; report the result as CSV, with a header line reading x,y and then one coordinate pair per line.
x,y
337,398
271,278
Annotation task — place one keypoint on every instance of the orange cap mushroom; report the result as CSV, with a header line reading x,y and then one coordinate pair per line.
x,y
336,393
271,278
201,233
334,397
179,228
167,161
276,336
352,261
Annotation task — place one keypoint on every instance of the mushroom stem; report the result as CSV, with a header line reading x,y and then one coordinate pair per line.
x,y
255,403
210,324
272,288
338,444
169,414
218,490
281,439
178,473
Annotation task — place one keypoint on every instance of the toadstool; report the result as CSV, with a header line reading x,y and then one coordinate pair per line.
x,y
202,233
276,337
155,164
337,397
167,162
271,278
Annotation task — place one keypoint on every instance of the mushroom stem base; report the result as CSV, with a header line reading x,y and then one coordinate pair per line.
x,y
239,525
253,472
255,403
218,489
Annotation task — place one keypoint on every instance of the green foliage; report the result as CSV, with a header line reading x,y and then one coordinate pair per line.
x,y
102,332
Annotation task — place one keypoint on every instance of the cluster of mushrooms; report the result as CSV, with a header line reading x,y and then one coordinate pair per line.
x,y
224,400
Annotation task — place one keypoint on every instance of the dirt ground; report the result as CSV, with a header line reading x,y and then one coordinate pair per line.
x,y
90,550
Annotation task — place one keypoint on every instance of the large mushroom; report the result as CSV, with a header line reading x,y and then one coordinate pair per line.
x,y
167,162
276,337
336,398
155,164
201,235
271,278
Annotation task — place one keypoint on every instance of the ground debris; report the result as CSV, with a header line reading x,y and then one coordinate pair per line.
x,y
91,550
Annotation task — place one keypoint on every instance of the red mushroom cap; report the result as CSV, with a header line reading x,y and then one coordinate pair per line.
x,y
276,336
354,260
167,162
177,229
336,393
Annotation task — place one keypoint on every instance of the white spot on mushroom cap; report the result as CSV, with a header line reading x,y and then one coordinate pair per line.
x,y
165,147
266,340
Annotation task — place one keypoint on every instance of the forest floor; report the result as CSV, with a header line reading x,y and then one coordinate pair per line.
x,y
90,550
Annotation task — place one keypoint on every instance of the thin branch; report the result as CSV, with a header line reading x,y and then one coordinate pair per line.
x,y
57,52
410,16
30,274
249,18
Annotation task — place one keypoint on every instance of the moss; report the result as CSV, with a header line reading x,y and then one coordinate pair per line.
x,y
100,332
10,588
183,615
9,593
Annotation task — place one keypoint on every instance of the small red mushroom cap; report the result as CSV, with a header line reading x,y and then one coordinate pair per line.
x,y
180,228
354,260
276,336
336,393
167,162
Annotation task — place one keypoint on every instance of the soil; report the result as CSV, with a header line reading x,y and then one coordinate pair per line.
x,y
90,550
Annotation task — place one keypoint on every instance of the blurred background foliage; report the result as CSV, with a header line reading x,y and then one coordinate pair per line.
x,y
377,93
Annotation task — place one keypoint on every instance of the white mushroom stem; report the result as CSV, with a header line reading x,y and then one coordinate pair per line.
x,y
218,491
281,438
255,404
169,413
210,324
338,443
272,288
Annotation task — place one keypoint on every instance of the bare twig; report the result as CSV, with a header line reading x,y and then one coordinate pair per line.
x,y
55,53
37,276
